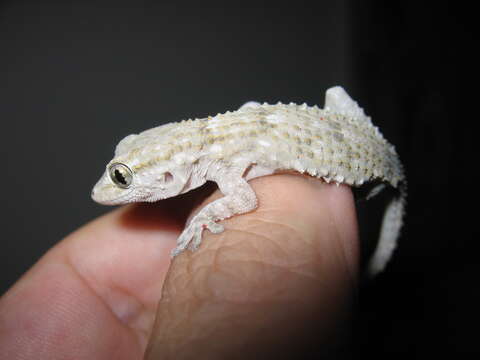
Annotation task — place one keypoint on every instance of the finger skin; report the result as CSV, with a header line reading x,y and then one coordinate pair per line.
x,y
94,295
278,282
256,287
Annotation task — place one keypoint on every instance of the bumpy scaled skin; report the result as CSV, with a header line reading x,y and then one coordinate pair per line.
x,y
337,143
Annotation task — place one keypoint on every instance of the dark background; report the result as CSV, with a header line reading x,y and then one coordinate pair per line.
x,y
77,76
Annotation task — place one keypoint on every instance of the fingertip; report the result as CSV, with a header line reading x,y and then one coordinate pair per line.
x,y
289,262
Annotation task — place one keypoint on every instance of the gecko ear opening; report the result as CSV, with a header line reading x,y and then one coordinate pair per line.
x,y
166,178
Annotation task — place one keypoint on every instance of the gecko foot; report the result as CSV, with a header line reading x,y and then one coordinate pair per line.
x,y
191,237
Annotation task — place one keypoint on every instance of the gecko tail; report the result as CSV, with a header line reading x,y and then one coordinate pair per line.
x,y
389,233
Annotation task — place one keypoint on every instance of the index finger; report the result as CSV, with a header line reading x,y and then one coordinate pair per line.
x,y
278,281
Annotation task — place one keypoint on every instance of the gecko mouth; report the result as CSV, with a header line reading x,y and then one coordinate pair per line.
x,y
114,200
106,193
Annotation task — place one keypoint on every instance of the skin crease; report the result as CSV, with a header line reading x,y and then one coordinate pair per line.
x,y
280,281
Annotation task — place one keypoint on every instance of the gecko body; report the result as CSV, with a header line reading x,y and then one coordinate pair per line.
x,y
338,143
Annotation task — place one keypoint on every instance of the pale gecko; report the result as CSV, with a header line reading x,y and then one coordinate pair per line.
x,y
337,144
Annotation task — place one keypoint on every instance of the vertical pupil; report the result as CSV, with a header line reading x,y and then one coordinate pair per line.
x,y
120,178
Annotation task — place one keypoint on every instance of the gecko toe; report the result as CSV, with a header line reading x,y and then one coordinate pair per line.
x,y
215,227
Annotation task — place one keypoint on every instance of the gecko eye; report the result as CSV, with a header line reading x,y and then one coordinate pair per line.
x,y
121,175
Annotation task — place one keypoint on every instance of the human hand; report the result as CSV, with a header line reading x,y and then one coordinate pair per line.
x,y
278,282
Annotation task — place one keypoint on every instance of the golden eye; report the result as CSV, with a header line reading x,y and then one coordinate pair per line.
x,y
121,175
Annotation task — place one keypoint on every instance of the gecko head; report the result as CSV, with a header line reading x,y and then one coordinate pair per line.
x,y
125,182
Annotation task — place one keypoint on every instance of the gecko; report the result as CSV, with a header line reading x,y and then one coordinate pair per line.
x,y
338,144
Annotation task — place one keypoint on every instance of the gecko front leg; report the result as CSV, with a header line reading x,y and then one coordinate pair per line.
x,y
239,198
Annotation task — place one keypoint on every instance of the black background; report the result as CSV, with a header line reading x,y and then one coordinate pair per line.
x,y
77,76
